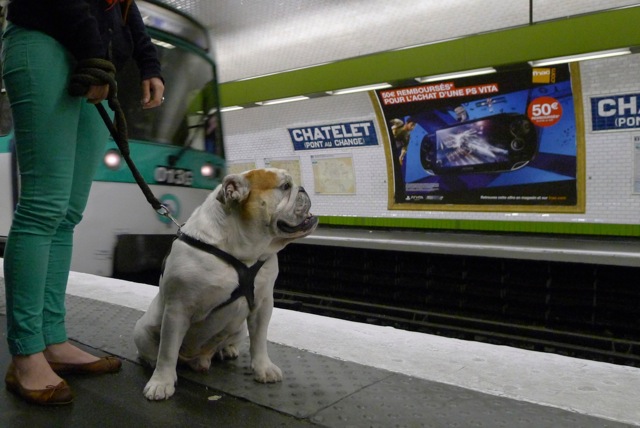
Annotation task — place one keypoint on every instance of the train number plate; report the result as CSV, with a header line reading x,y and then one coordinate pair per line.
x,y
173,176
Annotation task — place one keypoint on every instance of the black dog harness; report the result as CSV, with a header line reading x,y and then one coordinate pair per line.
x,y
246,275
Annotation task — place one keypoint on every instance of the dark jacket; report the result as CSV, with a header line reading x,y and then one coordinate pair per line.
x,y
91,29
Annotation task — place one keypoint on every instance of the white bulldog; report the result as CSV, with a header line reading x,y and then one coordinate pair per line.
x,y
204,303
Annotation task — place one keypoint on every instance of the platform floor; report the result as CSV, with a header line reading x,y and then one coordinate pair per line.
x,y
337,374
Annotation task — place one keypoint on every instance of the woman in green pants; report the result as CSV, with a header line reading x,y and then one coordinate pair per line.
x,y
59,142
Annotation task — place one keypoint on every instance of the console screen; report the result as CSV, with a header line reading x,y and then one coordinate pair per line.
x,y
470,144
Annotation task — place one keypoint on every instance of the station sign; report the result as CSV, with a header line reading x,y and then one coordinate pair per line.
x,y
615,112
338,135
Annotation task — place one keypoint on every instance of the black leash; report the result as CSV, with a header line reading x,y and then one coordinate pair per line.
x,y
100,72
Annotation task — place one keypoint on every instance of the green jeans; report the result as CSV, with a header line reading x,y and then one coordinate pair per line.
x,y
59,141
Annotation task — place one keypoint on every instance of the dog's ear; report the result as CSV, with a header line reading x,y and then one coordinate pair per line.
x,y
235,187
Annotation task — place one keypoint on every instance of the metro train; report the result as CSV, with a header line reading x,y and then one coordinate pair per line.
x,y
177,148
557,270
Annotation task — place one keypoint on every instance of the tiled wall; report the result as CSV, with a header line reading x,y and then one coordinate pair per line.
x,y
261,132
610,155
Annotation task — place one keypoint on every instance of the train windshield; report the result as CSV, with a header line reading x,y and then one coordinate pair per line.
x,y
189,116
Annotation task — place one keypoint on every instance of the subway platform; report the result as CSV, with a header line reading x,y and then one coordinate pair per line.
x,y
336,374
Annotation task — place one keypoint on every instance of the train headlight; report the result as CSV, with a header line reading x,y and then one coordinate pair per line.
x,y
208,170
112,159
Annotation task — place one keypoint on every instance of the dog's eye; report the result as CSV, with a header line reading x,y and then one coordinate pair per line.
x,y
286,186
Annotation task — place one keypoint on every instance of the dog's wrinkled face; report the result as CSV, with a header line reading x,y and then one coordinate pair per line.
x,y
268,198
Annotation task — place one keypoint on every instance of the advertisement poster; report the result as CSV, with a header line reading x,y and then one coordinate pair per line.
x,y
290,164
333,174
240,166
497,142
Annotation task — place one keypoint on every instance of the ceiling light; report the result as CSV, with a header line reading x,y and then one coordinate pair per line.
x,y
456,75
282,100
260,76
230,108
359,89
580,57
162,44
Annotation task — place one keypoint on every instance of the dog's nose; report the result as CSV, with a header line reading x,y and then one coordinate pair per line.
x,y
301,189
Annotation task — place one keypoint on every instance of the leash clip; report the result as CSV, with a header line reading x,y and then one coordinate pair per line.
x,y
164,211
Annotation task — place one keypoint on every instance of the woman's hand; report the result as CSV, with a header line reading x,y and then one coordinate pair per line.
x,y
152,90
97,93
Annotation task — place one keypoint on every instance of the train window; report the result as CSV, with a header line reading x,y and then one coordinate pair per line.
x,y
189,115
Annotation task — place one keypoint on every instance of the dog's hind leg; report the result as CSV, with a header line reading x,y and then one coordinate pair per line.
x,y
201,363
146,341
175,323
229,349
146,333
229,352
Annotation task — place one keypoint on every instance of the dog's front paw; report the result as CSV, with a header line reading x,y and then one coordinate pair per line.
x,y
266,372
159,389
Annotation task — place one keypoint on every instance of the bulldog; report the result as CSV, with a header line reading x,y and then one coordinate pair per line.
x,y
218,278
